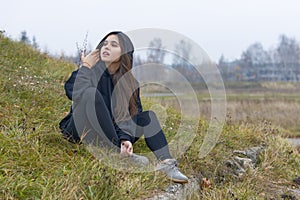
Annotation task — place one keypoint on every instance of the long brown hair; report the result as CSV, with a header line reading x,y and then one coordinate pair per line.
x,y
126,91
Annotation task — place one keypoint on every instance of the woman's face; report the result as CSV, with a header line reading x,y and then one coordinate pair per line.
x,y
111,50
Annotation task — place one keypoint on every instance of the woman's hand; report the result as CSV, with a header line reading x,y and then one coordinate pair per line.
x,y
91,59
126,148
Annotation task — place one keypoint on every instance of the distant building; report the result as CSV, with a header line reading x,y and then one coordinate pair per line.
x,y
237,71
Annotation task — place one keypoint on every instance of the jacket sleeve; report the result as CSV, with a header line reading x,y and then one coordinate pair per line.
x,y
83,80
70,84
78,82
122,135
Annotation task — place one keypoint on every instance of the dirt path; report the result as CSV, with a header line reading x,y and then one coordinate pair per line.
x,y
294,141
179,191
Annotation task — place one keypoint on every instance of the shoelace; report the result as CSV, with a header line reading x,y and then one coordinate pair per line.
x,y
173,164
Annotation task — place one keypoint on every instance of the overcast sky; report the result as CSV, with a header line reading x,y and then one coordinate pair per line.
x,y
225,27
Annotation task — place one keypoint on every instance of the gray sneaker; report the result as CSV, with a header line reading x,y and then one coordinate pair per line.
x,y
170,168
141,161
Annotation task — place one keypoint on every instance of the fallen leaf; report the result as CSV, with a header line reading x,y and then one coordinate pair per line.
x,y
205,183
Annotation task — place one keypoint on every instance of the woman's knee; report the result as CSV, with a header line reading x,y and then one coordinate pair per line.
x,y
151,112
152,115
146,117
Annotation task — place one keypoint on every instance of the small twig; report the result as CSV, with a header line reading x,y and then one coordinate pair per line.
x,y
83,48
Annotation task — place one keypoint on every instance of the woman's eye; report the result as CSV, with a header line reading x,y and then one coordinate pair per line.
x,y
114,44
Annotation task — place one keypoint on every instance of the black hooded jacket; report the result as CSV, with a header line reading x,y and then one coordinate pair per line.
x,y
79,81
97,77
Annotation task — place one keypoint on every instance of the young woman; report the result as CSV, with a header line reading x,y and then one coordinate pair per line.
x,y
107,110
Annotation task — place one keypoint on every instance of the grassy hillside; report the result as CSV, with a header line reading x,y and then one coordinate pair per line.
x,y
36,163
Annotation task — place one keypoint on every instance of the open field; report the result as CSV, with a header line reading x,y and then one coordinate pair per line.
x,y
279,106
276,103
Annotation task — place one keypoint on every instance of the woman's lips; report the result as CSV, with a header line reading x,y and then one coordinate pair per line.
x,y
105,53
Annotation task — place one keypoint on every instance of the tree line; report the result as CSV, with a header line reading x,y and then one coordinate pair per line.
x,y
281,63
25,38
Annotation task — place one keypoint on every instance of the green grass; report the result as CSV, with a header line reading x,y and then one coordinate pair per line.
x,y
36,163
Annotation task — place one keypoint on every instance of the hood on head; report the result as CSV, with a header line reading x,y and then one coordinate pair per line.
x,y
128,46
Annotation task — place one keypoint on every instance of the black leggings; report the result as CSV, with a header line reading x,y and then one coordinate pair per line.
x,y
94,124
